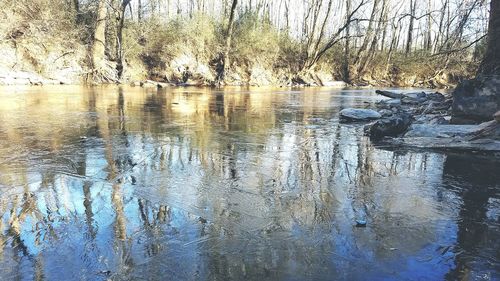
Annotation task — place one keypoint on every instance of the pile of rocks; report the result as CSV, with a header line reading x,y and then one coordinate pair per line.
x,y
420,119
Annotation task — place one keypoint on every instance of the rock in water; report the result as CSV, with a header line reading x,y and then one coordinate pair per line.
x,y
390,126
393,102
360,223
476,100
389,104
436,97
358,115
414,98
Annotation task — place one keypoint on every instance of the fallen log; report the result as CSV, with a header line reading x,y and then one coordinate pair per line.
x,y
455,144
389,94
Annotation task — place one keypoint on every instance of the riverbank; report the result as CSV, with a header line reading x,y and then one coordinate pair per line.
x,y
76,75
26,63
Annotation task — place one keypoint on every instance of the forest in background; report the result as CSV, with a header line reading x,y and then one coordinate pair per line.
x,y
428,43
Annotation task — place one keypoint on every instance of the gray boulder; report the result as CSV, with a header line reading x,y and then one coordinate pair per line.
x,y
414,98
358,115
389,103
432,119
431,106
476,100
393,102
436,97
390,126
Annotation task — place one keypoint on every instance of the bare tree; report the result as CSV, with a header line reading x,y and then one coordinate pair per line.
x,y
335,38
76,5
313,41
428,37
365,59
99,40
369,32
121,22
229,35
345,66
139,10
409,38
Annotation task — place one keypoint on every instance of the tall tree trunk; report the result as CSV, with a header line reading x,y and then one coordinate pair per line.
x,y
287,4
369,33
409,39
312,34
448,23
428,38
78,15
76,6
395,31
386,22
477,100
99,42
345,66
439,36
229,35
168,9
119,36
315,48
373,46
139,10
491,60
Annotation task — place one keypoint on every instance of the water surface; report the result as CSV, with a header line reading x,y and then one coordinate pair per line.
x,y
113,183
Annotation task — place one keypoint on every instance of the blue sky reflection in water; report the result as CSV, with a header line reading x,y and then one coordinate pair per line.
x,y
199,184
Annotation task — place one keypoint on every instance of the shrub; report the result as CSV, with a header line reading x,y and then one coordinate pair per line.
x,y
255,40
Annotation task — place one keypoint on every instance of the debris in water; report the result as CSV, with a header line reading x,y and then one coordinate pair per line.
x,y
105,272
360,223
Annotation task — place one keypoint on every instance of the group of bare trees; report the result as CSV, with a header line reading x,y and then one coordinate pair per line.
x,y
360,28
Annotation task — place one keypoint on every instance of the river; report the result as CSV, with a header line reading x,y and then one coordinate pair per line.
x,y
120,183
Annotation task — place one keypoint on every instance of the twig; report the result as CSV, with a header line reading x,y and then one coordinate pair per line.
x,y
460,49
65,54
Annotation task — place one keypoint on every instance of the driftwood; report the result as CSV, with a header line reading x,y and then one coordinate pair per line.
x,y
489,130
389,94
455,144
484,137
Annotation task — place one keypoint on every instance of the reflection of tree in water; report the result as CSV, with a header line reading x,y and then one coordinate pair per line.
x,y
220,185
477,236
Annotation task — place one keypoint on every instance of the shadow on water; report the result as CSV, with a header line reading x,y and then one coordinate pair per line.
x,y
127,183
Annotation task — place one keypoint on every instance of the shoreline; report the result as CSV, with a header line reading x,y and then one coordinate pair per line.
x,y
314,79
155,84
